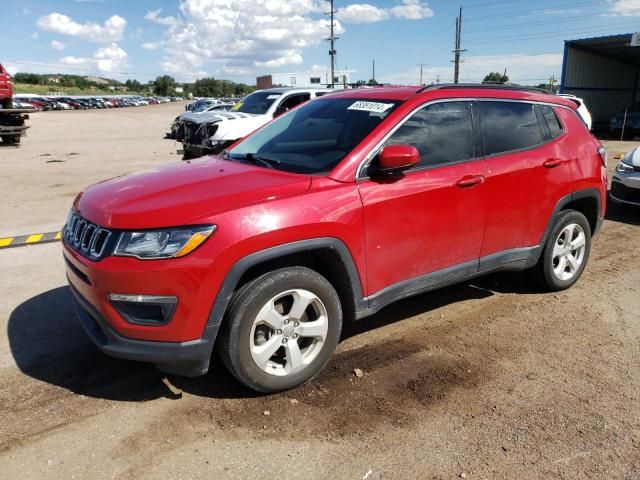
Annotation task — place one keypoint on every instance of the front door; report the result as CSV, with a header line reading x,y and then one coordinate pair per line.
x,y
429,220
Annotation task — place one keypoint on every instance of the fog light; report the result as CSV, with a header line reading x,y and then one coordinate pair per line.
x,y
144,309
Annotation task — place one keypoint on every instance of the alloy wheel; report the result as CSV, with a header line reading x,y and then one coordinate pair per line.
x,y
288,332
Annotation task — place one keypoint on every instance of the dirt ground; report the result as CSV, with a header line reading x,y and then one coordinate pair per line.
x,y
489,379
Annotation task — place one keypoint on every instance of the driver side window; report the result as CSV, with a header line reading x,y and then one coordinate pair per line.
x,y
290,102
442,133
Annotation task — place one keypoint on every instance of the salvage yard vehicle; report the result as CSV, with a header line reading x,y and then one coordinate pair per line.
x,y
12,120
625,184
627,121
177,131
203,135
326,215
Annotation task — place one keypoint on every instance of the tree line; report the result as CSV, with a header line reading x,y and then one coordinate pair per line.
x,y
163,85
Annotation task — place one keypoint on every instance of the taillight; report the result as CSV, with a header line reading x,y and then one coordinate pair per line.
x,y
603,155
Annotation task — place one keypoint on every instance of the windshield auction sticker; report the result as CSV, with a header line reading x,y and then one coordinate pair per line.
x,y
370,106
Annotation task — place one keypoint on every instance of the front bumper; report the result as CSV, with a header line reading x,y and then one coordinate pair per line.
x,y
181,358
184,344
625,188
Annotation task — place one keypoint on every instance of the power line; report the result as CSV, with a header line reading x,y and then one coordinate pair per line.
x,y
551,34
535,10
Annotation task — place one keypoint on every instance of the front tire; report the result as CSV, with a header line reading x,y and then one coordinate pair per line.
x,y
566,252
281,329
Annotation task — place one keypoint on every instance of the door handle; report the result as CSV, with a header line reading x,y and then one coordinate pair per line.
x,y
470,181
552,163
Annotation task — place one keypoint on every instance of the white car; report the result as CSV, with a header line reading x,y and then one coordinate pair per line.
x,y
583,111
176,127
212,134
625,184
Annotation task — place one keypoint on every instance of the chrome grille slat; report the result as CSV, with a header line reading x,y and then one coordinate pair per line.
x,y
88,239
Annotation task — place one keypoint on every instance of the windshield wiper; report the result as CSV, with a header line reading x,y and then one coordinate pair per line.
x,y
258,160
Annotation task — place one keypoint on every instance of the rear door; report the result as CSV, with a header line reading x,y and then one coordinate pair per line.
x,y
432,217
518,150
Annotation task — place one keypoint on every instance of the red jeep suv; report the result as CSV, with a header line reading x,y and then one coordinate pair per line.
x,y
327,214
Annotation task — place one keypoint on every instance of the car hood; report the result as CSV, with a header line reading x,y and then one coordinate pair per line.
x,y
234,129
632,157
183,193
214,117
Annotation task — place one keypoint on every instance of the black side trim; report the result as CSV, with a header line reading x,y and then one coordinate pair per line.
x,y
414,286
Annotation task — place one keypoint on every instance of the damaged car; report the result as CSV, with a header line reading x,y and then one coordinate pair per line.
x,y
211,133
176,129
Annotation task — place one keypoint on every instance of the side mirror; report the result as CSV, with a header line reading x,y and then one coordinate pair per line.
x,y
396,158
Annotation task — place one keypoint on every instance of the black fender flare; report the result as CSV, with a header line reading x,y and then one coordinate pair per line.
x,y
236,272
566,200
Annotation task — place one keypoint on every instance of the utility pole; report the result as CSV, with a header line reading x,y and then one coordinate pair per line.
x,y
332,42
421,65
458,50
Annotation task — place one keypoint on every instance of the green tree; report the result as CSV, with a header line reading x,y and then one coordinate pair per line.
x,y
164,85
133,85
496,77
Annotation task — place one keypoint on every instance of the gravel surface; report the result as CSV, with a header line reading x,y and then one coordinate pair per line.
x,y
488,379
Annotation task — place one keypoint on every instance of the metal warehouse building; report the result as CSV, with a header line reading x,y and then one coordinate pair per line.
x,y
604,72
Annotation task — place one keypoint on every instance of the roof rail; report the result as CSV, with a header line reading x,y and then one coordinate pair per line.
x,y
492,86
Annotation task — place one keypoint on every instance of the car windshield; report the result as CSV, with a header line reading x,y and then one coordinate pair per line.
x,y
315,137
257,102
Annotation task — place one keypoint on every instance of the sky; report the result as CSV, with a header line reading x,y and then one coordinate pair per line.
x,y
241,39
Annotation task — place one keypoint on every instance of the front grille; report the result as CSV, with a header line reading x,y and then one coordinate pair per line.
x,y
622,192
194,133
86,238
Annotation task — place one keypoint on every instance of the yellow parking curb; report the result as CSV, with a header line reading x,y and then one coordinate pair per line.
x,y
32,239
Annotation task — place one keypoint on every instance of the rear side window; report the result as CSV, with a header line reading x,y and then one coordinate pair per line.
x,y
508,126
553,124
441,132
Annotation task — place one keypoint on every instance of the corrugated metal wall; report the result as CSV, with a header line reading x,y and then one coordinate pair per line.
x,y
588,76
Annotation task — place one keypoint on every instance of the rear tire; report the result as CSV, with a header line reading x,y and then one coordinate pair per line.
x,y
281,329
565,253
7,103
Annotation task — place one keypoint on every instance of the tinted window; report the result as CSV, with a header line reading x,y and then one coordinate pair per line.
x,y
292,101
555,128
441,132
508,126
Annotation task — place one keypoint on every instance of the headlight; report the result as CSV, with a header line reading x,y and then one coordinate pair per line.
x,y
624,168
169,243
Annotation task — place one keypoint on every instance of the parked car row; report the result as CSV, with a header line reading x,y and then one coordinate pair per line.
x,y
42,103
201,104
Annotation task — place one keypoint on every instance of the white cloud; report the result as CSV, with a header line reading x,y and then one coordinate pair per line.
x,y
560,11
56,45
111,31
241,36
362,13
521,68
151,45
412,10
109,59
367,13
154,16
625,7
